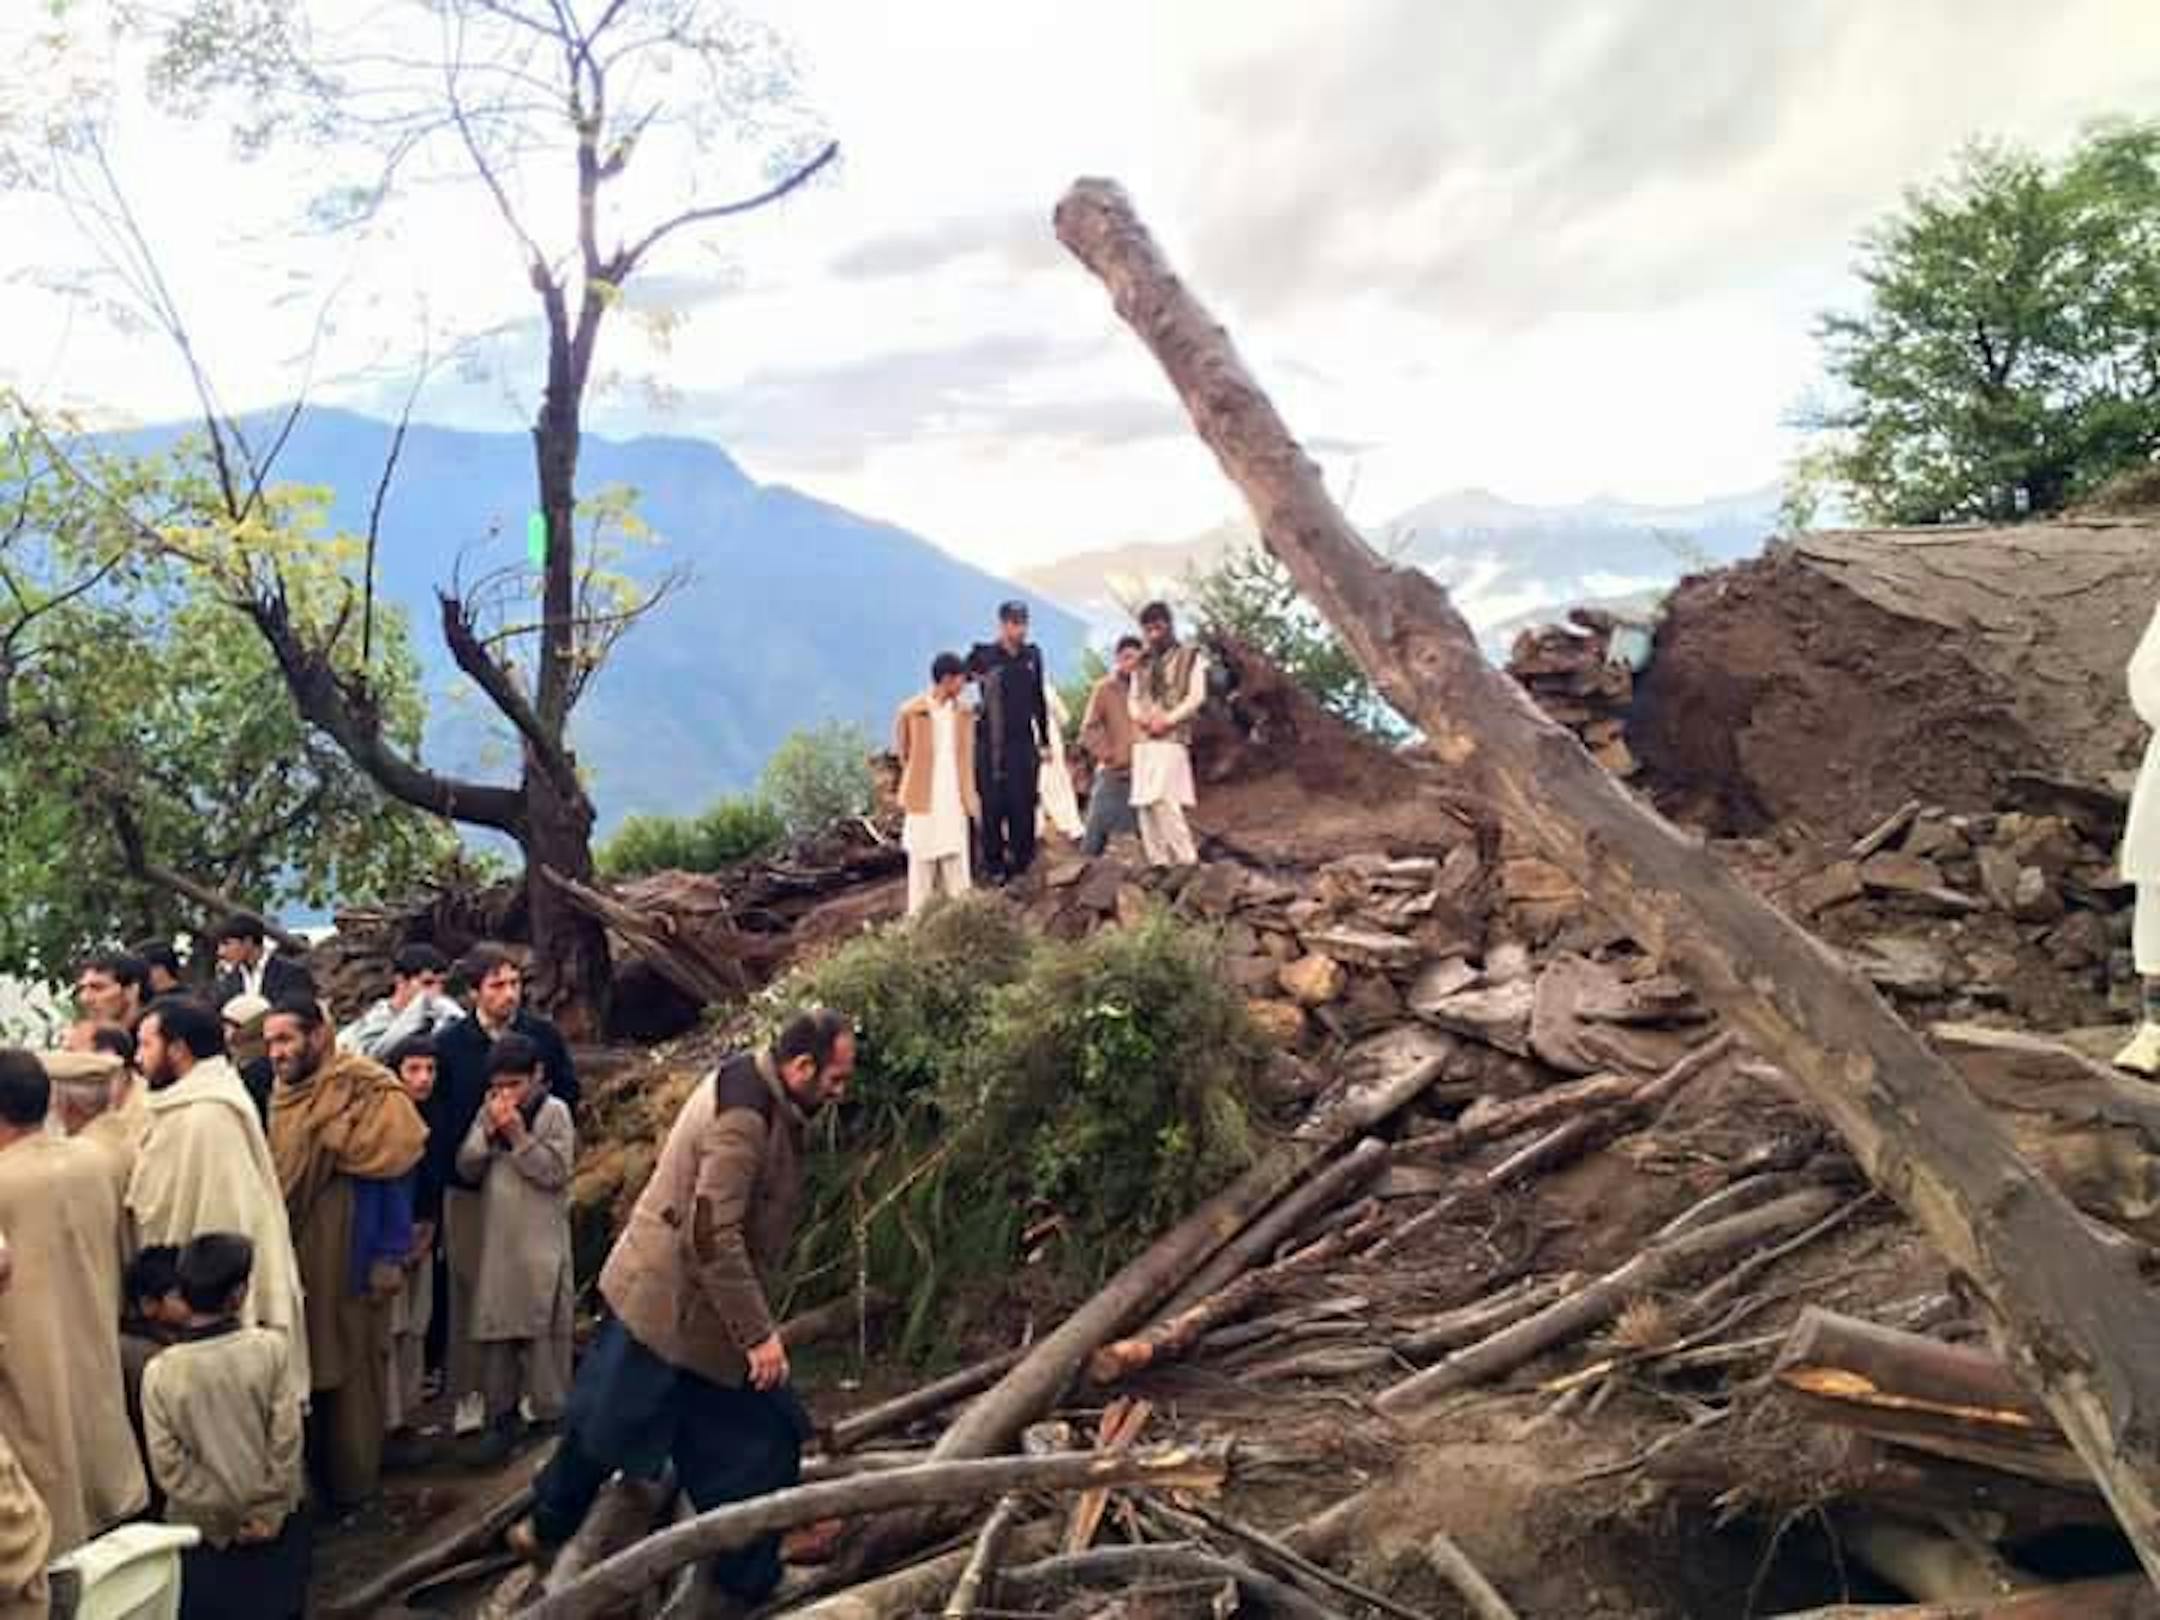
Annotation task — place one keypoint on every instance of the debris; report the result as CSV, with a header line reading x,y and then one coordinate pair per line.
x,y
1313,981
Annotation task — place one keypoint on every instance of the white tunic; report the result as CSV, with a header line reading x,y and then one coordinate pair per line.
x,y
1162,766
2141,838
944,831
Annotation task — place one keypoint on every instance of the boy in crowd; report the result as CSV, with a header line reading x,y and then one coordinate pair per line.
x,y
224,1437
520,1150
1106,732
412,1308
152,1314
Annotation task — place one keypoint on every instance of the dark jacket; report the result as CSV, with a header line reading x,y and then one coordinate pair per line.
x,y
461,1054
691,1278
282,976
1015,728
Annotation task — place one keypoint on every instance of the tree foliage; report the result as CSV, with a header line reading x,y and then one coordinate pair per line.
x,y
738,828
1096,1088
818,776
152,771
2007,360
1251,596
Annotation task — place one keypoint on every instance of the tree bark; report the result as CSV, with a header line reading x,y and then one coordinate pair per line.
x,y
2117,1598
623,1577
2082,1330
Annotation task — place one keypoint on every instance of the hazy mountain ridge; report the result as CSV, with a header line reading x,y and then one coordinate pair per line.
x,y
796,610
1502,560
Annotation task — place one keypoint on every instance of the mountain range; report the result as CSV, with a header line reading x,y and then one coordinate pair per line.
x,y
795,610
1505,563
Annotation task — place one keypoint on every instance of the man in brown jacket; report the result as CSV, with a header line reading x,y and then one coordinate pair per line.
x,y
1106,732
935,739
691,1367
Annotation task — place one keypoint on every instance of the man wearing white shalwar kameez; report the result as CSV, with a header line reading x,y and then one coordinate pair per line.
x,y
935,739
2141,856
1169,688
1060,803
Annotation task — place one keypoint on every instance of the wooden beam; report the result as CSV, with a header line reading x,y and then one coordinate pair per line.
x,y
2080,1328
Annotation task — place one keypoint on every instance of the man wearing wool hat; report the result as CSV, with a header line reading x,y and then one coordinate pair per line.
x,y
95,1099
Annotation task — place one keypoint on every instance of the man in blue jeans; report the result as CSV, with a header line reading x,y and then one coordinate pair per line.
x,y
691,1368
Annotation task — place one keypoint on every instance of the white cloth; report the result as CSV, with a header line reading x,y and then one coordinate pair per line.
x,y
1059,804
2145,931
1164,835
929,876
204,1166
1162,766
944,831
2141,837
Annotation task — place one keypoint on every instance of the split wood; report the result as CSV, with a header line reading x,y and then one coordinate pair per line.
x,y
2081,1330
1118,1431
982,1559
620,1579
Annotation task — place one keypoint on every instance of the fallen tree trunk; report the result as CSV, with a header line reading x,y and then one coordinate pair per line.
x,y
935,1396
2080,1328
622,1578
1948,1399
1127,1564
1603,1299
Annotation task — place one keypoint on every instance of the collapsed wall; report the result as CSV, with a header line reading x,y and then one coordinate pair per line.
x,y
1941,662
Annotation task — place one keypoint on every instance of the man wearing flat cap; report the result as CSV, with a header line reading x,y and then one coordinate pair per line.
x,y
1010,742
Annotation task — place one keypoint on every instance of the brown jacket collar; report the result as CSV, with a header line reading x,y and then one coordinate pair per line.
x,y
769,1072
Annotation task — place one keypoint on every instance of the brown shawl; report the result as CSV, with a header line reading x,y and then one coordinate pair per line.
x,y
349,1118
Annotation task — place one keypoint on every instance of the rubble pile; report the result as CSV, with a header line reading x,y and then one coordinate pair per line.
x,y
1582,674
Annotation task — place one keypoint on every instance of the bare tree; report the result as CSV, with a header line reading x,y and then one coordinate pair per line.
x,y
587,129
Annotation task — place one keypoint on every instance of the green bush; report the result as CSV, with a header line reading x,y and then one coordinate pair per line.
x,y
819,776
1000,1073
732,830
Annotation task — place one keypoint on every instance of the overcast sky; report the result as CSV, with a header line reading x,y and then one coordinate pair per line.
x,y
1553,249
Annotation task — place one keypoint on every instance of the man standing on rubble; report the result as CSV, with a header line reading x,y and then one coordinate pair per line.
x,y
1009,743
690,1366
2141,856
1169,689
935,739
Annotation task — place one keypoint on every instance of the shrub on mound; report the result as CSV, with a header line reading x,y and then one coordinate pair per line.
x,y
1003,1079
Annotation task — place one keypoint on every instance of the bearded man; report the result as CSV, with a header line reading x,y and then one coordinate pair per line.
x,y
203,1165
344,1137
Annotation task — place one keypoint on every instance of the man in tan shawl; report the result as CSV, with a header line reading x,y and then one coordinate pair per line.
x,y
345,1138
61,1404
94,1099
25,1526
203,1165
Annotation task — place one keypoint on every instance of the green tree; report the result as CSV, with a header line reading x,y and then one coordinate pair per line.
x,y
2007,360
819,776
733,829
153,773
1250,595
597,137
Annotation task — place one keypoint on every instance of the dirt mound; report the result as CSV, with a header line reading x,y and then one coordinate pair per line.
x,y
1845,670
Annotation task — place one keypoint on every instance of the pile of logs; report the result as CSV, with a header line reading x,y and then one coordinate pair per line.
x,y
1583,680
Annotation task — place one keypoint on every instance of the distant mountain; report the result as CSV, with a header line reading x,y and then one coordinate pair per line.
x,y
1504,562
796,611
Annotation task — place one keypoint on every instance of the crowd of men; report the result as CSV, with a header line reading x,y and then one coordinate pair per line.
x,y
978,779
242,1247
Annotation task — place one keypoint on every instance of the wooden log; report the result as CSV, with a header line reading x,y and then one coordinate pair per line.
x,y
935,1396
827,1321
1600,1301
2079,1328
967,1592
1949,1399
914,1589
1926,1563
1454,1565
628,1574
1301,1569
1253,1246
1933,1489
625,1511
1487,1121
477,1524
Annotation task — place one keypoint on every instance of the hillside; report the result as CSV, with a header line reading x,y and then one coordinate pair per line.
x,y
797,610
1505,561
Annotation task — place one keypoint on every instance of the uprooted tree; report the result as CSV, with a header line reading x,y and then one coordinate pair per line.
x,y
2078,1324
545,111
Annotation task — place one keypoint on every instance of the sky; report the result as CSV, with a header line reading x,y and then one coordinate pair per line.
x,y
1554,250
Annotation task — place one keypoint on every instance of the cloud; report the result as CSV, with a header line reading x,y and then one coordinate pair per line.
x,y
1498,161
1002,388
1016,241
